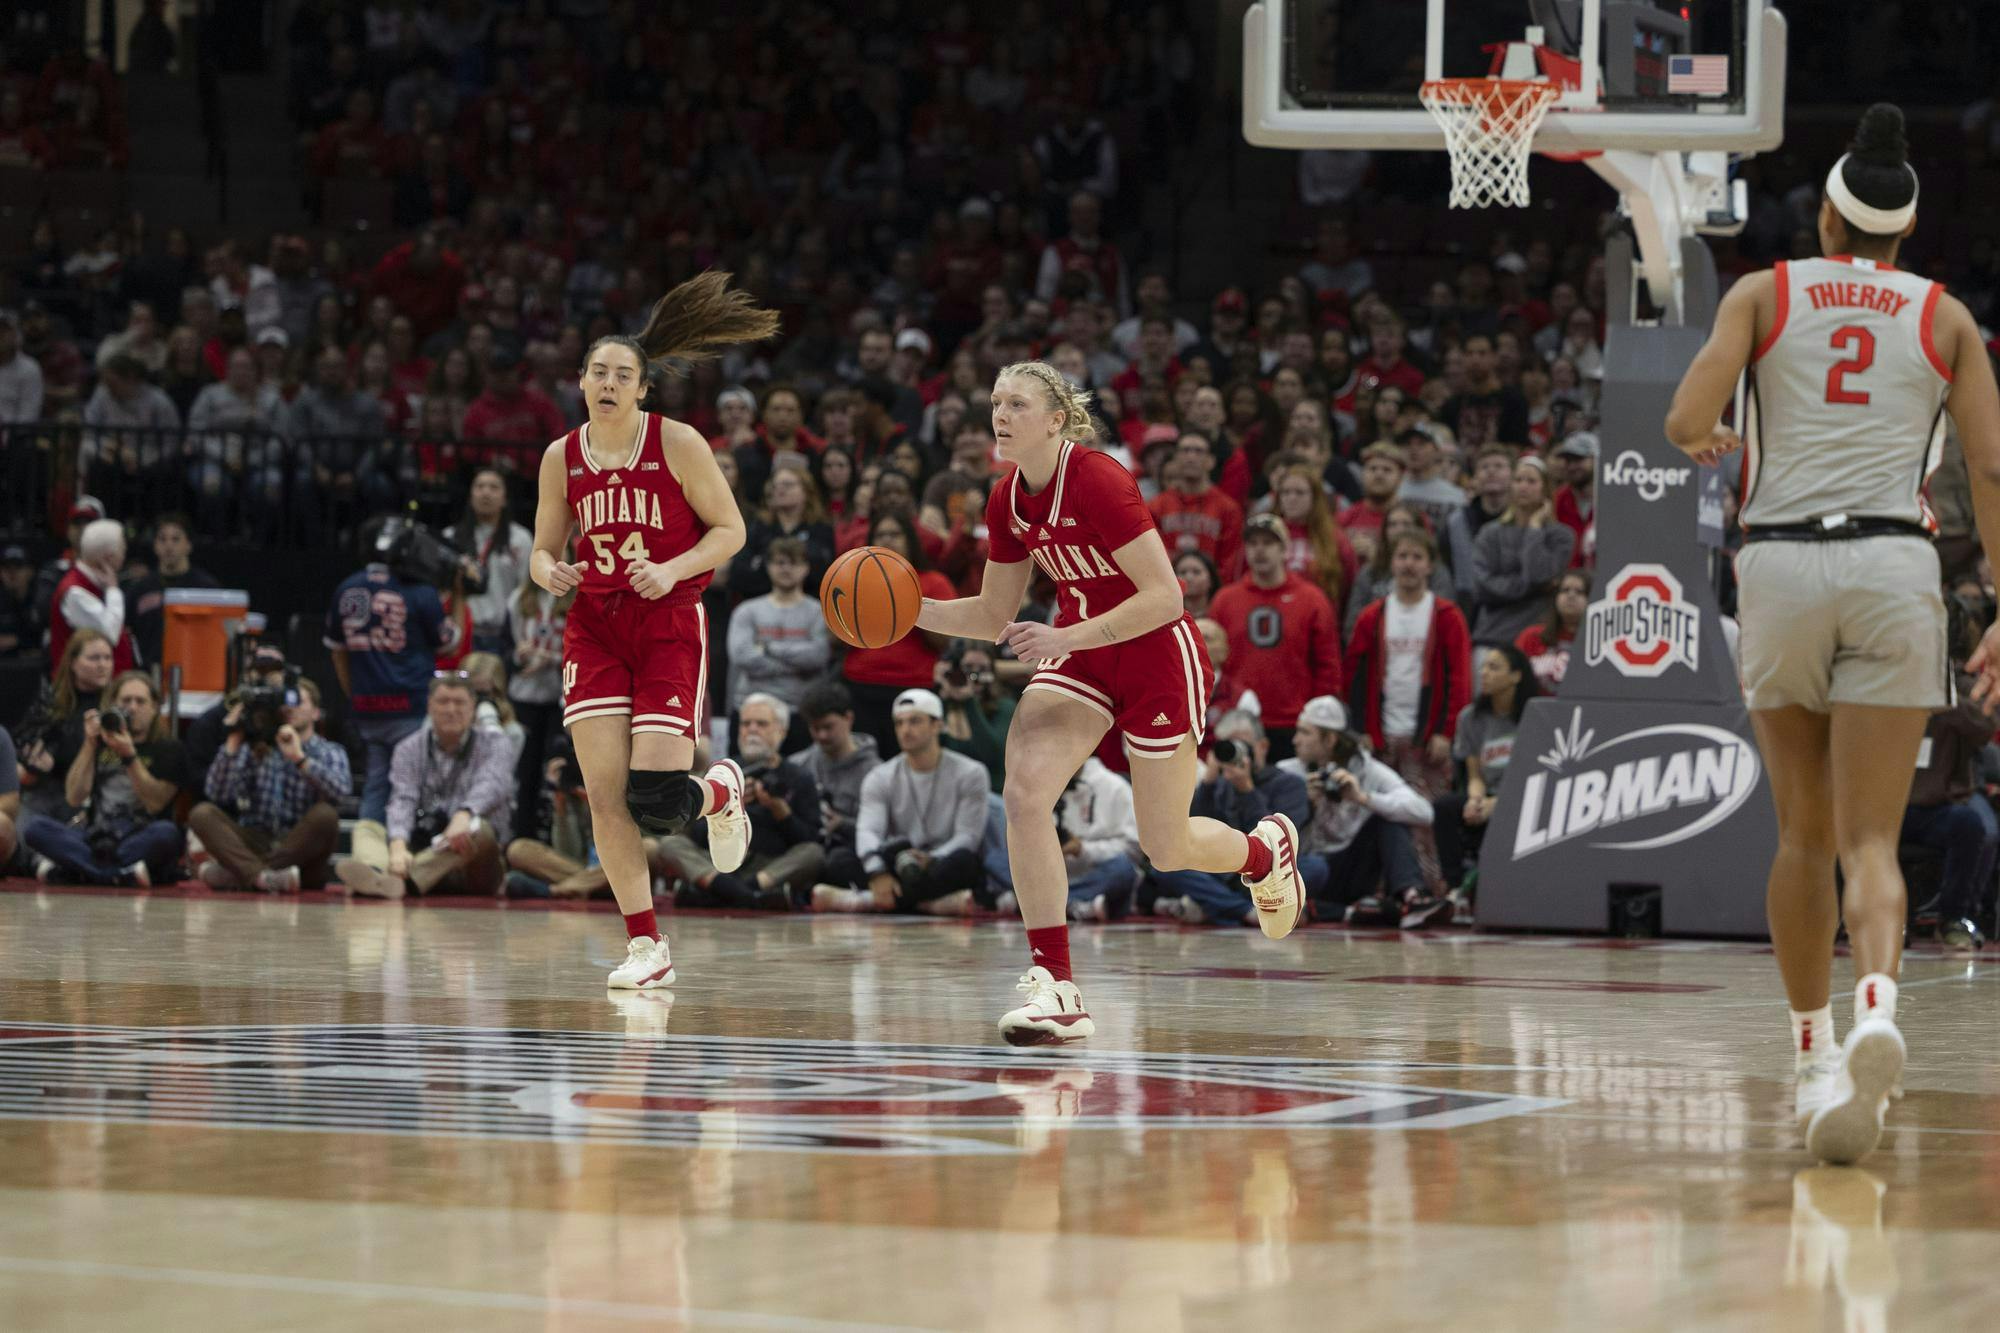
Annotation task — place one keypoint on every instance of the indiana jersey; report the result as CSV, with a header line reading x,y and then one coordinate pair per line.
x,y
632,510
1071,528
1847,390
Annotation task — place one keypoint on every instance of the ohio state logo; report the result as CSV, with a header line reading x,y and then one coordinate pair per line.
x,y
1643,625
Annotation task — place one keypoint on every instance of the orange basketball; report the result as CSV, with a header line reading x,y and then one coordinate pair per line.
x,y
870,597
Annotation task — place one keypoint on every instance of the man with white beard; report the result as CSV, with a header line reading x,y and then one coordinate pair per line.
x,y
782,801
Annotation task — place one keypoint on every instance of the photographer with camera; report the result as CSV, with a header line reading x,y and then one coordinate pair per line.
x,y
451,794
1239,787
124,780
384,628
977,712
1357,839
264,669
284,782
783,804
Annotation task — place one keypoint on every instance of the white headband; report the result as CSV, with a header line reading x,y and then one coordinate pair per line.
x,y
1875,221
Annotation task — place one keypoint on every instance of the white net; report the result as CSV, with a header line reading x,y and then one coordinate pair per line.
x,y
1489,129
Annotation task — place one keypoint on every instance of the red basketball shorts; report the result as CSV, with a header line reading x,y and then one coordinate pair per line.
x,y
624,655
1153,689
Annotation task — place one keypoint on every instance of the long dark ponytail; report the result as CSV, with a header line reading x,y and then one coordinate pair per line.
x,y
696,321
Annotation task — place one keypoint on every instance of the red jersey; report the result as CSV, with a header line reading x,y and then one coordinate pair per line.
x,y
1071,529
634,509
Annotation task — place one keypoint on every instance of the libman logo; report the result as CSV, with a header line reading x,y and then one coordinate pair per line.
x,y
1644,623
1648,788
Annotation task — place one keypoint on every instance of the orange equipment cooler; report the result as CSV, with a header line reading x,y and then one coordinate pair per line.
x,y
197,635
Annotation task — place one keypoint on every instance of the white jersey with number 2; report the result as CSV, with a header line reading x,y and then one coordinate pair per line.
x,y
1846,397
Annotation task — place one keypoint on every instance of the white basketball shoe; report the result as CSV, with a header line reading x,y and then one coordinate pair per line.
x,y
1813,1086
1053,1015
647,966
1848,1125
1281,894
729,827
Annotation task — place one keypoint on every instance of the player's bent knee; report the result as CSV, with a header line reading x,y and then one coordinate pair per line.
x,y
662,802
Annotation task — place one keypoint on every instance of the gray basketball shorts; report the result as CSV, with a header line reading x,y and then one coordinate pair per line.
x,y
1842,622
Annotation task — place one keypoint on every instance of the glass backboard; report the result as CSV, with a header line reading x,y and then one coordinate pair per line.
x,y
1656,75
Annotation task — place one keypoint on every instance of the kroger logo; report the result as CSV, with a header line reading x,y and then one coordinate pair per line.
x,y
1649,788
1629,469
1643,625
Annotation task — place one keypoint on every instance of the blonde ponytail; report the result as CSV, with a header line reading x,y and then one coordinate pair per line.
x,y
1061,396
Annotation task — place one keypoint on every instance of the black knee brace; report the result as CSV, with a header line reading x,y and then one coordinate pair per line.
x,y
663,802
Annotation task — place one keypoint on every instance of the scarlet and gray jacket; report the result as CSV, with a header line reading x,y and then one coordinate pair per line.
x,y
1447,684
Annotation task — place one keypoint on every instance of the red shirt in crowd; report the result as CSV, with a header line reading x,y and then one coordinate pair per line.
x,y
1572,516
1549,658
1211,523
1403,375
429,299
525,417
1290,653
1361,516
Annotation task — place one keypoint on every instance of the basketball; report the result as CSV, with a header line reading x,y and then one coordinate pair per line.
x,y
870,597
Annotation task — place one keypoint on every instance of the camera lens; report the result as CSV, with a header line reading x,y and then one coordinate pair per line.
x,y
1227,752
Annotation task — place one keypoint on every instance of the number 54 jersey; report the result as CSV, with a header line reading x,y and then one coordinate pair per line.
x,y
625,656
633,509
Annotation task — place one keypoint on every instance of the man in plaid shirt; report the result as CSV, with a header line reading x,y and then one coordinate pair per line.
x,y
284,796
451,798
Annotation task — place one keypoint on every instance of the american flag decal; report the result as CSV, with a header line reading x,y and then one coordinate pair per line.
x,y
1704,76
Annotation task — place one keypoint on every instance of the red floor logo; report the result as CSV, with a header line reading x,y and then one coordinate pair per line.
x,y
1644,623
737,1093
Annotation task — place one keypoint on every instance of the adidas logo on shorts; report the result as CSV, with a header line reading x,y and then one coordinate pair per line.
x,y
1160,721
674,702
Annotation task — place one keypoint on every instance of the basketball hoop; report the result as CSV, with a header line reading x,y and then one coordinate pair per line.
x,y
1489,129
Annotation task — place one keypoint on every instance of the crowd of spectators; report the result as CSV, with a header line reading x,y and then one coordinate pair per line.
x,y
1379,497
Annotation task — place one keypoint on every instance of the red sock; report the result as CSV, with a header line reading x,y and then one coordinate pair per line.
x,y
1050,947
1257,860
713,795
641,923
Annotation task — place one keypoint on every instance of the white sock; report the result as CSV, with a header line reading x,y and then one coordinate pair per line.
x,y
1812,1034
1875,994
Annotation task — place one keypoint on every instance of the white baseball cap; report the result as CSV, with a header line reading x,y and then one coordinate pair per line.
x,y
1325,712
918,701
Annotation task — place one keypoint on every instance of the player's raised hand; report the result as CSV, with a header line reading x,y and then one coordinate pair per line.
x,y
1033,642
1984,665
651,581
563,576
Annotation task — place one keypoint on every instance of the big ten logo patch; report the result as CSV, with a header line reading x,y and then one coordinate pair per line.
x,y
1644,624
568,679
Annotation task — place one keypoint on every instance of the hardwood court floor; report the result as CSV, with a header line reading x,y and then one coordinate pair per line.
x,y
224,1115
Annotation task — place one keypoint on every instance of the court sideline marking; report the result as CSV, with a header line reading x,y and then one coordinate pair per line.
x,y
488,1300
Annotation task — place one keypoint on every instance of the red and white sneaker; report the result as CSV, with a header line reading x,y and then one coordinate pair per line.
x,y
729,827
1053,1015
647,966
1281,895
